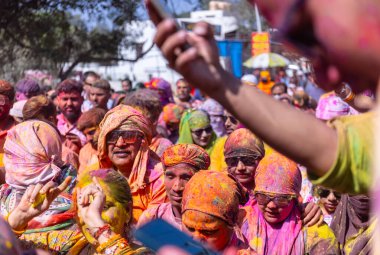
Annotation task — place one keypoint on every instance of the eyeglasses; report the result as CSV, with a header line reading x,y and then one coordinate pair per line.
x,y
128,137
280,201
232,119
299,30
199,132
247,161
324,193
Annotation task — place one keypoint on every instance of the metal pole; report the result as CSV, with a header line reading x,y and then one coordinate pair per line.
x,y
258,19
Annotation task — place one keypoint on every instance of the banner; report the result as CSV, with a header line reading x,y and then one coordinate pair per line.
x,y
260,43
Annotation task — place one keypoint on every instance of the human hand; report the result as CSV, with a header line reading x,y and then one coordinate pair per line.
x,y
36,199
91,201
199,63
311,214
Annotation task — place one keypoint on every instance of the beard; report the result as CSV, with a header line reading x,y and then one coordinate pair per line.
x,y
72,116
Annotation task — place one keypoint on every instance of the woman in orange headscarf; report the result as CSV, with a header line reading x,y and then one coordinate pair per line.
x,y
210,208
243,152
123,144
274,225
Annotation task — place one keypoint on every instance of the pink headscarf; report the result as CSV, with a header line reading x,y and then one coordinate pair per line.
x,y
32,154
331,106
276,174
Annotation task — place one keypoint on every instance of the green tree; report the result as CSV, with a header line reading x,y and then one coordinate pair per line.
x,y
57,35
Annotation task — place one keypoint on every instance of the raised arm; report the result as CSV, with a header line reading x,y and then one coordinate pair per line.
x,y
292,132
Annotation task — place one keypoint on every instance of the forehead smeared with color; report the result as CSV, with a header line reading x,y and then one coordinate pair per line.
x,y
199,119
113,183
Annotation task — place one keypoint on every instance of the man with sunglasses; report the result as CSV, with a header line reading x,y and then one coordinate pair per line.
x,y
316,29
329,200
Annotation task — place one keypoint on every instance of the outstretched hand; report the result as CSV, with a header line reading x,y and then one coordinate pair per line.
x,y
36,200
199,62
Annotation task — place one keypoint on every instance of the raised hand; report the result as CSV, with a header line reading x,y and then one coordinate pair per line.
x,y
36,200
91,201
199,63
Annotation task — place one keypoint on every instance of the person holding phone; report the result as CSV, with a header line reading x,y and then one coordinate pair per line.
x,y
181,162
302,24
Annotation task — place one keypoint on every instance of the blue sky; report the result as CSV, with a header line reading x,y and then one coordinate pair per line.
x,y
175,6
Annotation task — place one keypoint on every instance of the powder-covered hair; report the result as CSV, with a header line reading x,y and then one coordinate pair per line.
x,y
147,101
68,86
38,106
114,180
91,118
7,89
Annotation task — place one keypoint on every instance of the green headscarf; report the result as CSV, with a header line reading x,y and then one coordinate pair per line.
x,y
195,119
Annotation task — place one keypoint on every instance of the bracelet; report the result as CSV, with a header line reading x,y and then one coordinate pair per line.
x,y
101,230
349,97
111,241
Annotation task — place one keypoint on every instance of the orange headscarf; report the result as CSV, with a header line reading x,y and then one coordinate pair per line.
x,y
277,174
214,193
242,142
127,118
186,153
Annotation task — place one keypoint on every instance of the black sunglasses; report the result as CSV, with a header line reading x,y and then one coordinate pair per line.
x,y
324,193
247,161
232,119
199,132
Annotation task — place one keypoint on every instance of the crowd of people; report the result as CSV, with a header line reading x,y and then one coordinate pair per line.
x,y
265,164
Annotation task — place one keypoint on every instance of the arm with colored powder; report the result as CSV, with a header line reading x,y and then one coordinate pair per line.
x,y
291,132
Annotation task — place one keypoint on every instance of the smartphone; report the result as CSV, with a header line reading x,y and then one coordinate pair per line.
x,y
159,233
163,13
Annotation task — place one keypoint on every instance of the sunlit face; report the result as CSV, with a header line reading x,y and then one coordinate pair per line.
x,y
243,169
329,199
230,122
202,136
70,104
89,133
207,229
123,153
183,90
99,97
274,214
88,83
176,178
114,213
